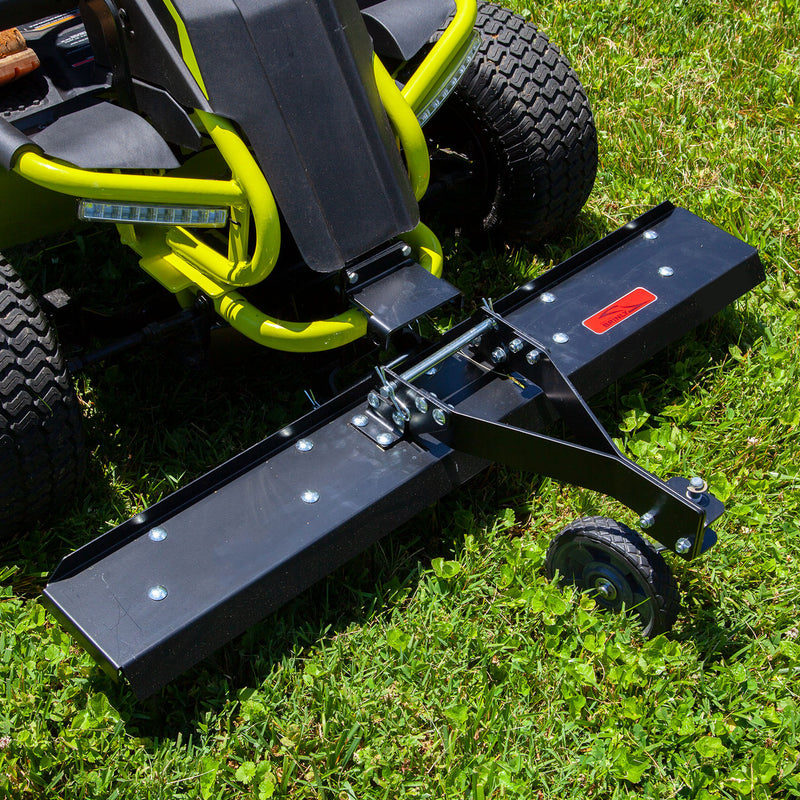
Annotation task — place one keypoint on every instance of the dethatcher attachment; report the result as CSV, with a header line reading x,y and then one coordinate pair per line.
x,y
163,590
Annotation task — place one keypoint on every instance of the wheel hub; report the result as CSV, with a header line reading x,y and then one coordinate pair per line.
x,y
605,589
607,584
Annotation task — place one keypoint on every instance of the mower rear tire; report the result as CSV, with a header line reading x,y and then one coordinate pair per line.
x,y
520,125
42,454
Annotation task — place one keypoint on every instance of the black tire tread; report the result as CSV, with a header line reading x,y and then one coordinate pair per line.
x,y
637,551
42,455
522,90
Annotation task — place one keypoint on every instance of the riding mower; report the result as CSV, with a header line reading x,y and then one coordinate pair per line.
x,y
267,158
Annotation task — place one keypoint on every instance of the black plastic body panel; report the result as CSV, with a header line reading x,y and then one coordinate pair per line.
x,y
401,28
105,136
298,78
146,47
241,541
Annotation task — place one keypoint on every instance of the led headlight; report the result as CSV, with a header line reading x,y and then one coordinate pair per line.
x,y
144,214
455,75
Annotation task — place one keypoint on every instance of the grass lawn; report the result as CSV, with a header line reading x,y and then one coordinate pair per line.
x,y
441,663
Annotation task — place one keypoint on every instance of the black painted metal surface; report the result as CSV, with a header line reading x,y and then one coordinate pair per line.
x,y
396,299
242,540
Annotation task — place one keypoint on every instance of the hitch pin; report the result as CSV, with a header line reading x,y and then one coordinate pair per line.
x,y
440,355
388,388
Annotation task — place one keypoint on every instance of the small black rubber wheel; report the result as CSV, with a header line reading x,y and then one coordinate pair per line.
x,y
619,568
42,455
514,149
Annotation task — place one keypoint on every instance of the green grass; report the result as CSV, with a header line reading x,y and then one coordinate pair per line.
x,y
441,663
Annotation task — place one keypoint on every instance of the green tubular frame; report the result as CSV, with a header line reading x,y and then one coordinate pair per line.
x,y
437,64
185,265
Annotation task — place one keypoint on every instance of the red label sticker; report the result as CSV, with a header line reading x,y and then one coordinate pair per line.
x,y
605,319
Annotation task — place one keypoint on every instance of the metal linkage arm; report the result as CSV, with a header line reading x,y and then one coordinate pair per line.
x,y
673,516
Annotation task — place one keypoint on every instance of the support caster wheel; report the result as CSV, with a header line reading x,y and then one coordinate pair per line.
x,y
618,568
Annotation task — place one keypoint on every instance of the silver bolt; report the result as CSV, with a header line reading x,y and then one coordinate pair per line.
x,y
352,277
304,445
666,272
374,400
499,355
683,545
157,593
384,439
533,356
696,489
406,250
439,417
309,496
432,371
476,342
422,404
360,420
647,520
650,235
560,338
398,419
515,345
605,589
157,535
548,297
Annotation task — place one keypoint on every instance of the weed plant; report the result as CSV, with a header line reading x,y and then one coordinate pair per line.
x,y
441,663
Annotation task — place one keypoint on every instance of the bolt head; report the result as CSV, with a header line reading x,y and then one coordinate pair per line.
x,y
515,345
647,520
439,417
422,404
304,445
476,342
548,297
398,419
432,371
157,535
384,439
560,338
683,545
697,483
533,356
374,400
666,272
360,420
650,235
352,277
309,496
406,250
499,355
157,593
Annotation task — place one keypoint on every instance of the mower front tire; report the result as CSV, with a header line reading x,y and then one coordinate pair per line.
x,y
520,126
42,454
